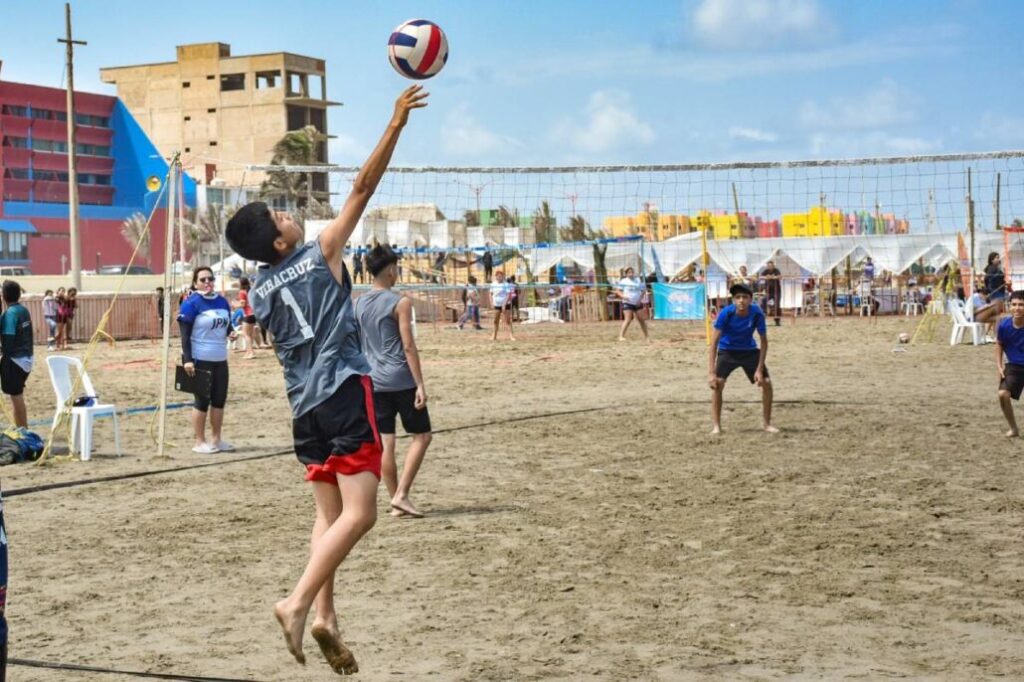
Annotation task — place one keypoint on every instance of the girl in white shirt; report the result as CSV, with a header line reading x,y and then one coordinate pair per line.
x,y
501,299
631,290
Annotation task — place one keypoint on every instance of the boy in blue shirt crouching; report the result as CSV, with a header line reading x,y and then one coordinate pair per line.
x,y
733,346
1010,343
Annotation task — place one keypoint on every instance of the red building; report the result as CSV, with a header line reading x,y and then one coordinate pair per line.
x,y
115,159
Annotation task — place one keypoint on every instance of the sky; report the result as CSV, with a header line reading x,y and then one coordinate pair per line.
x,y
599,81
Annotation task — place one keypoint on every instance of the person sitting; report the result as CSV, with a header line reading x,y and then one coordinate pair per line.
x,y
984,311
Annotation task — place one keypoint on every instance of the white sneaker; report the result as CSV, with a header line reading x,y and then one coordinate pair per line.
x,y
206,449
225,446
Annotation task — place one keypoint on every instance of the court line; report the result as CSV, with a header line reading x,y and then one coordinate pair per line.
x,y
29,663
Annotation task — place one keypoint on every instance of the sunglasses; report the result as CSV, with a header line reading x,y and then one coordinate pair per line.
x,y
204,280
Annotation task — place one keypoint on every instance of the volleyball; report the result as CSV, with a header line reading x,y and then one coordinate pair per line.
x,y
418,49
904,337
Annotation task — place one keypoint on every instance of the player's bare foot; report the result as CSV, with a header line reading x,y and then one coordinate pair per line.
x,y
768,428
622,338
406,506
292,624
337,654
716,430
1012,433
397,513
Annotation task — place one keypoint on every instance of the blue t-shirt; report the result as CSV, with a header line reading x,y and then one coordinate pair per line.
x,y
737,331
210,319
1012,341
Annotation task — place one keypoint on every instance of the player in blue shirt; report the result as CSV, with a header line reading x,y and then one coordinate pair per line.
x,y
303,296
1010,343
733,346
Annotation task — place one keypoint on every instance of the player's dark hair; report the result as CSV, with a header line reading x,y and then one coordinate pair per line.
x,y
251,233
243,284
196,271
11,291
1017,295
992,256
380,257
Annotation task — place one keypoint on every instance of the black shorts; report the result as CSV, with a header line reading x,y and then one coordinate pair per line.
x,y
403,403
12,377
634,307
339,436
728,360
249,319
1012,382
218,385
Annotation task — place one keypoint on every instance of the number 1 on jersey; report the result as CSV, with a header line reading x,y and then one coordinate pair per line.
x,y
289,300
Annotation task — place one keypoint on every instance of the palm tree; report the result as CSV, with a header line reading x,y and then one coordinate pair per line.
x,y
471,218
296,148
134,231
506,217
544,224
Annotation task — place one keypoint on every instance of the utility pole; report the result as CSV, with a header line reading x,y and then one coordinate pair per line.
x,y
74,238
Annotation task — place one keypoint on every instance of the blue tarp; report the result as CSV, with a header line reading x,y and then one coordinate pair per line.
x,y
679,301
17,226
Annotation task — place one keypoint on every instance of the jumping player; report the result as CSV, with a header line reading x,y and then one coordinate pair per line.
x,y
733,346
501,299
1010,341
385,327
304,298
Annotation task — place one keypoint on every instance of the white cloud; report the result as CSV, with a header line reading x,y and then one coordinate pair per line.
x,y
1001,128
608,123
884,106
752,134
731,24
463,135
346,149
872,143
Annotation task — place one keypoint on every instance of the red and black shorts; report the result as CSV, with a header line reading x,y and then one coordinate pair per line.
x,y
339,436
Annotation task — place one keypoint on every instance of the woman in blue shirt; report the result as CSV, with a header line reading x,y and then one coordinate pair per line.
x,y
205,322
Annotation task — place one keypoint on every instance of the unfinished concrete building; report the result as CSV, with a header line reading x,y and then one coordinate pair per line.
x,y
223,112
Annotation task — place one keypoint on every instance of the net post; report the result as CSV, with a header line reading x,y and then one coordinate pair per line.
x,y
172,196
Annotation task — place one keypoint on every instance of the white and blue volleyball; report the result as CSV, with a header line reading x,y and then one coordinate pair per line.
x,y
418,49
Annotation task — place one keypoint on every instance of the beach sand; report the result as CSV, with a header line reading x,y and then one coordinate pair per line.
x,y
581,522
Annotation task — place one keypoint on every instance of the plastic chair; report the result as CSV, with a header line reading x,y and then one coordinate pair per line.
x,y
60,367
962,324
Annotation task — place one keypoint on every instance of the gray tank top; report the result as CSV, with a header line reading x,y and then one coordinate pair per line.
x,y
382,341
310,315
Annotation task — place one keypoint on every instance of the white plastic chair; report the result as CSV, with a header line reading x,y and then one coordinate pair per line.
x,y
962,324
60,367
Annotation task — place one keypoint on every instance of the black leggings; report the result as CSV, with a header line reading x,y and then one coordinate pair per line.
x,y
218,387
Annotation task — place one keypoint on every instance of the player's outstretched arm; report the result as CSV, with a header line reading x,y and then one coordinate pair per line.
x,y
337,233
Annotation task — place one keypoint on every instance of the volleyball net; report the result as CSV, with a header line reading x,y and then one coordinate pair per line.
x,y
828,226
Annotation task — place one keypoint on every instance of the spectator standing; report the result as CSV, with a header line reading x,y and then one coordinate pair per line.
x,y
50,317
16,344
773,290
471,298
204,320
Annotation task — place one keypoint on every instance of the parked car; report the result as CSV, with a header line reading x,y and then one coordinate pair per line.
x,y
14,271
124,270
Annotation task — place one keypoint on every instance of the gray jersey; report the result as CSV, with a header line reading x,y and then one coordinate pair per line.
x,y
382,341
310,315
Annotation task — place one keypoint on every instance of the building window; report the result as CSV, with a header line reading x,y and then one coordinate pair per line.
x,y
188,118
266,80
51,146
297,85
319,88
11,110
90,120
186,84
318,119
210,77
211,111
92,149
213,143
188,149
16,142
232,81
17,173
